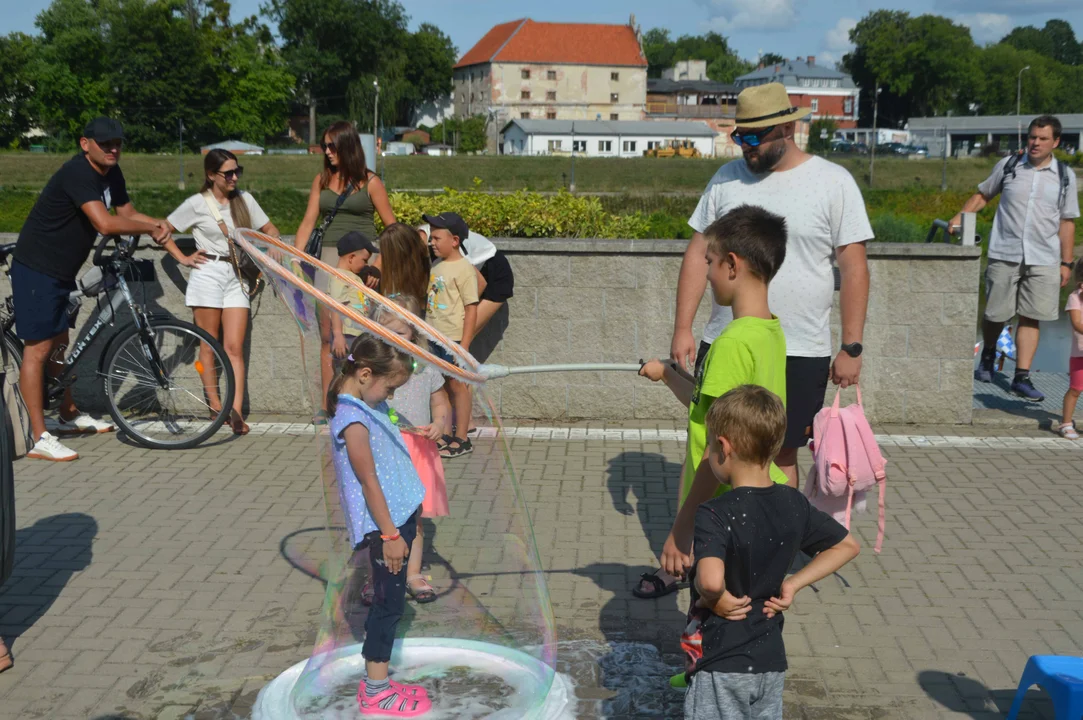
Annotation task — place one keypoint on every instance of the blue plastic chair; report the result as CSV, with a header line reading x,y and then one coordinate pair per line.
x,y
1059,675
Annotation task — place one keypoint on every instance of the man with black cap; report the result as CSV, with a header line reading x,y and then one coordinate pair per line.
x,y
54,243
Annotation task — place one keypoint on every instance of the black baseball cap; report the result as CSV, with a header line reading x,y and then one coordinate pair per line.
x,y
449,221
354,241
101,129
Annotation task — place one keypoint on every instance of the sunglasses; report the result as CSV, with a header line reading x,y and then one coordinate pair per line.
x,y
231,174
752,138
110,145
325,146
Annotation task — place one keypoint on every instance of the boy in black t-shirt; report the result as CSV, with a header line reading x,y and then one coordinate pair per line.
x,y
745,542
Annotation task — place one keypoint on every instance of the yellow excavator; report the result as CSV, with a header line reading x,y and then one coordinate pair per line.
x,y
674,148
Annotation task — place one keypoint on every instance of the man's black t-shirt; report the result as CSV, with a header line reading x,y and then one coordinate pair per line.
x,y
756,532
58,236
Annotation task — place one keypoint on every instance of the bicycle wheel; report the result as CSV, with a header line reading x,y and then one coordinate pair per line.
x,y
161,387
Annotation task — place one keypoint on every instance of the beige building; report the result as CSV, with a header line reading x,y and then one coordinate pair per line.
x,y
526,70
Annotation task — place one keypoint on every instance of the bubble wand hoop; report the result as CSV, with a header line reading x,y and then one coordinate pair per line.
x,y
244,238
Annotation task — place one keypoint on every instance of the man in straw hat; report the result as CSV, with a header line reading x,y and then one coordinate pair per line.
x,y
826,219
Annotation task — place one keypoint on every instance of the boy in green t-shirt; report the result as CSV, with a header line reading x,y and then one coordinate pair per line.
x,y
745,248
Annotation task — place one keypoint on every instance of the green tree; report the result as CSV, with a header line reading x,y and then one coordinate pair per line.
x,y
16,90
926,65
728,68
772,59
258,90
821,132
658,49
1056,41
336,49
431,61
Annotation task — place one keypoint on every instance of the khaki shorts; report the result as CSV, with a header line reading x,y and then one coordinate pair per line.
x,y
1031,291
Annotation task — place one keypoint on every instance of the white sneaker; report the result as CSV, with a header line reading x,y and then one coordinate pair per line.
x,y
49,448
78,425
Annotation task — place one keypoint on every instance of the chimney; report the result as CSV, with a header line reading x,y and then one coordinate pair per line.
x,y
760,66
777,67
811,59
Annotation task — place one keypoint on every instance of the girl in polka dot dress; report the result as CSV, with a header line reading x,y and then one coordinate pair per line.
x,y
381,494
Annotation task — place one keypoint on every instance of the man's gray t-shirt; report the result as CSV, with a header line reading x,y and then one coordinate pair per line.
x,y
1027,223
824,210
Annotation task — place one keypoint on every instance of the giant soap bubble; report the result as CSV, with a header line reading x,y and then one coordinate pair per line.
x,y
486,646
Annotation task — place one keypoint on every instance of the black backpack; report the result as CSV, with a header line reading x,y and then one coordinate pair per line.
x,y
1062,172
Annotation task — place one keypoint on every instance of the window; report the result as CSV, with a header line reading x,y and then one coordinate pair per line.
x,y
556,145
652,144
614,116
614,76
579,146
551,115
526,74
848,106
614,97
605,146
815,105
629,146
551,95
551,75
524,116
524,95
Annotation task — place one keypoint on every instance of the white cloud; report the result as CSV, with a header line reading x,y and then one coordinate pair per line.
x,y
837,39
986,27
728,16
829,59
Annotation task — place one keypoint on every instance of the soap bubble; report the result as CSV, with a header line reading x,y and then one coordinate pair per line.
x,y
486,647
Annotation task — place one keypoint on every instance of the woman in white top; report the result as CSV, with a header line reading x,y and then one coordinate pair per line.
x,y
215,294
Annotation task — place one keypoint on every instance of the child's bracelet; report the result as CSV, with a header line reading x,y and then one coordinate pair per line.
x,y
389,538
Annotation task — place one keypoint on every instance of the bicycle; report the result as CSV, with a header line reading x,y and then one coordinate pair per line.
x,y
161,376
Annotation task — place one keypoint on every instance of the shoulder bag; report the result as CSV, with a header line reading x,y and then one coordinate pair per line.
x,y
247,271
314,246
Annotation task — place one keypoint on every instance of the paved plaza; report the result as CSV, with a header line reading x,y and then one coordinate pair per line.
x,y
176,584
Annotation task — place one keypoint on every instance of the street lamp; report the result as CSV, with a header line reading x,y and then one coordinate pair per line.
x,y
872,147
1018,102
376,112
571,187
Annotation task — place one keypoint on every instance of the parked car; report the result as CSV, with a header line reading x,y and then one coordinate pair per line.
x,y
922,150
892,148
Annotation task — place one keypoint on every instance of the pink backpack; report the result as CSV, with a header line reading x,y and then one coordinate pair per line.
x,y
846,462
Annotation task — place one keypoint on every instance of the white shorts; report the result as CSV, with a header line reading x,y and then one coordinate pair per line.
x,y
214,284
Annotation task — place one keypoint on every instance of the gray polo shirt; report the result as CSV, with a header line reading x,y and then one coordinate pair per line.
x,y
1027,221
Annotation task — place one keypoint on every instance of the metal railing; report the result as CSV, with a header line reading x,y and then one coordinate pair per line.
x,y
964,234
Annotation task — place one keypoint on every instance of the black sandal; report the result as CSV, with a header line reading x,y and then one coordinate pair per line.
x,y
660,588
443,442
456,448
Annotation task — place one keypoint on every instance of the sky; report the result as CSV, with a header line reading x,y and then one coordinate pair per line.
x,y
789,27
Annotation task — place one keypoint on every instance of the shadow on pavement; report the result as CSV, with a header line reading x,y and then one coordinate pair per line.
x,y
47,554
962,694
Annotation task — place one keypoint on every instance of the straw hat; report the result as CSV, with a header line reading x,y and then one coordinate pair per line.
x,y
763,106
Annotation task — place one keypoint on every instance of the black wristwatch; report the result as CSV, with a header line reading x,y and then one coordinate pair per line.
x,y
1067,264
853,349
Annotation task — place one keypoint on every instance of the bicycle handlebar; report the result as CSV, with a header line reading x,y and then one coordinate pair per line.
x,y
123,247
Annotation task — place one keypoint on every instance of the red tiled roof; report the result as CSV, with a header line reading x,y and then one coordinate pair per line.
x,y
527,41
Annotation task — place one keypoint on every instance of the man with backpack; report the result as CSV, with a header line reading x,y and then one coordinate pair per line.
x,y
1031,247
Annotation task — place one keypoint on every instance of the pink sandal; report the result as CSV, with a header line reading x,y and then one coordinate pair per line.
x,y
407,701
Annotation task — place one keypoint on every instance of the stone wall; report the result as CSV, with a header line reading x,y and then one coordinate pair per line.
x,y
613,301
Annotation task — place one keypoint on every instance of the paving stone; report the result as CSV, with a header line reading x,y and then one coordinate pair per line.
x,y
152,584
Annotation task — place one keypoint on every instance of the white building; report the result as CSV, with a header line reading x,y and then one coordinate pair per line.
x,y
432,114
600,138
686,70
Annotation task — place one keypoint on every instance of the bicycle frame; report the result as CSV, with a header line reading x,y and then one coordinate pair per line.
x,y
120,296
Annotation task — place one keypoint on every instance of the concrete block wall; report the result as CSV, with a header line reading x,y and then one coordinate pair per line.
x,y
613,301
919,333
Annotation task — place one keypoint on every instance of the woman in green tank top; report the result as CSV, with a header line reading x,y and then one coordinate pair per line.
x,y
343,167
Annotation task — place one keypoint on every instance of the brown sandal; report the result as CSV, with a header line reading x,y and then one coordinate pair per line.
x,y
236,421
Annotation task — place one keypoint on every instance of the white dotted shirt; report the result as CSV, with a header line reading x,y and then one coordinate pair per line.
x,y
399,481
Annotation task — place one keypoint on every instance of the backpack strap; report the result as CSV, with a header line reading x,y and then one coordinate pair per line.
x,y
1013,161
1065,183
